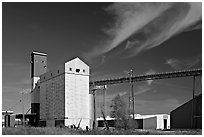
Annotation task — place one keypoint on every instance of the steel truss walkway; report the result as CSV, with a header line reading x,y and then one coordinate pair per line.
x,y
165,75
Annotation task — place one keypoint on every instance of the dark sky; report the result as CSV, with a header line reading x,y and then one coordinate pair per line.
x,y
111,38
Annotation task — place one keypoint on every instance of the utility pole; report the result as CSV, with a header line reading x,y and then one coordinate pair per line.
x,y
104,100
23,120
133,101
93,91
131,96
23,92
129,112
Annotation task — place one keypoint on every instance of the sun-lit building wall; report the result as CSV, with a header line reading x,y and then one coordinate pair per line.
x,y
64,95
77,97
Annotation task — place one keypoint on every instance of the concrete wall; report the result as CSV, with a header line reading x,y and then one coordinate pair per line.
x,y
181,117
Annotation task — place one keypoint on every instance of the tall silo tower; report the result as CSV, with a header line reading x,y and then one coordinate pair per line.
x,y
38,67
64,96
78,105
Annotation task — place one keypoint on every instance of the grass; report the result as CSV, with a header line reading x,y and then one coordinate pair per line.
x,y
67,131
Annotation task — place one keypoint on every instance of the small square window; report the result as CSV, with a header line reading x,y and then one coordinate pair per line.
x,y
78,70
70,69
83,70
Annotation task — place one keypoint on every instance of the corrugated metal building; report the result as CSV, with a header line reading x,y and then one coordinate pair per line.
x,y
157,121
181,117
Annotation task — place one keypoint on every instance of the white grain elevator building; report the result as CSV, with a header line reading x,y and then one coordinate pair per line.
x,y
61,96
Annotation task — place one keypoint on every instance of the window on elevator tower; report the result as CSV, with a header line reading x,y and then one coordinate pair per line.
x,y
78,70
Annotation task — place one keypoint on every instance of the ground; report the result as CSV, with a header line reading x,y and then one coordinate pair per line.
x,y
66,131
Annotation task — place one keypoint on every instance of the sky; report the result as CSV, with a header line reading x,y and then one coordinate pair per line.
x,y
112,38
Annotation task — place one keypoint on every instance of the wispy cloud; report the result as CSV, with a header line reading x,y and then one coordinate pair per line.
x,y
183,64
142,26
192,62
142,90
175,63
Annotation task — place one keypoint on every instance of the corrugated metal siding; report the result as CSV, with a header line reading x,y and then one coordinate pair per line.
x,y
181,117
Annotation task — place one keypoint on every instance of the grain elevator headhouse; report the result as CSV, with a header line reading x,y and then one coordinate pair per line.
x,y
38,67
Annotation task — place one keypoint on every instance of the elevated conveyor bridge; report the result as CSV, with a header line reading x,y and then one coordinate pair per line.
x,y
165,75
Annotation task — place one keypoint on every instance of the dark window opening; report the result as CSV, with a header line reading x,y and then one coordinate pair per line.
x,y
51,74
58,71
43,61
44,77
78,70
83,70
70,69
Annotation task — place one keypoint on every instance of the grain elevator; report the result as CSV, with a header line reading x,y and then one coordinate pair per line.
x,y
64,97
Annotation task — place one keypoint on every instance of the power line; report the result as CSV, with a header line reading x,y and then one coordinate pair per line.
x,y
14,105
